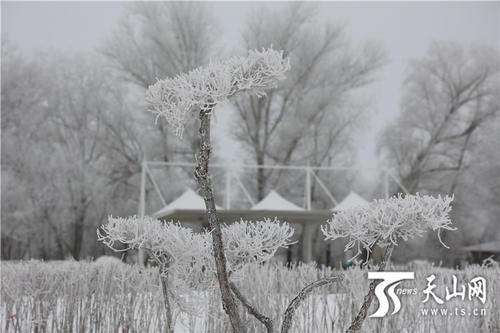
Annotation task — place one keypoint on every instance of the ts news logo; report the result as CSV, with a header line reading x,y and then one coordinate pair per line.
x,y
390,280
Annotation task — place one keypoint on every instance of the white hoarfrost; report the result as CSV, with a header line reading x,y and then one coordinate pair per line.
x,y
190,254
185,252
176,99
386,221
254,242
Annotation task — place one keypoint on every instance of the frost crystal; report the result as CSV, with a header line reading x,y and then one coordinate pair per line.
x,y
185,252
176,99
156,236
190,254
254,242
386,221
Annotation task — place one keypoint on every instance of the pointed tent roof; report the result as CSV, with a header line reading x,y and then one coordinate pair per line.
x,y
189,200
350,201
274,201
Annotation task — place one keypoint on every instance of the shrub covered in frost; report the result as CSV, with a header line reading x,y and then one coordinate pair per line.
x,y
386,221
176,99
254,242
188,254
170,245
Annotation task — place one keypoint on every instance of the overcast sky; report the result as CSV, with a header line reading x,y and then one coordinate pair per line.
x,y
404,29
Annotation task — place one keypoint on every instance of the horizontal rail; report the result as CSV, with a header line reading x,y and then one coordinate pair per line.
x,y
256,166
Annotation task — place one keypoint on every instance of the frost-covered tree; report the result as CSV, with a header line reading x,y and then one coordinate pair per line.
x,y
161,39
185,259
51,109
386,223
197,93
449,96
312,115
176,250
188,256
23,160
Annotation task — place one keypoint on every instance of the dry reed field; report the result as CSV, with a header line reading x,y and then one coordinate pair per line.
x,y
109,296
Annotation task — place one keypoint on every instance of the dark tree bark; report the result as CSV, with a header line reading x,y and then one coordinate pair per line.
x,y
295,303
266,321
164,287
162,260
360,318
78,236
202,176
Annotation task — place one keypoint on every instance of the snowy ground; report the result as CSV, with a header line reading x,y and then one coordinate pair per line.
x,y
109,296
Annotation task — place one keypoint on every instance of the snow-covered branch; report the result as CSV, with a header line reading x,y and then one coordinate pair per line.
x,y
187,252
176,99
386,221
154,235
254,242
244,242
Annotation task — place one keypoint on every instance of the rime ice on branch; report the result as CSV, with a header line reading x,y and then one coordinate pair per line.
x,y
254,242
244,242
198,93
176,99
179,243
386,221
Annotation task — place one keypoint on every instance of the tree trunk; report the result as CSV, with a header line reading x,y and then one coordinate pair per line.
x,y
164,287
78,237
360,318
295,303
202,176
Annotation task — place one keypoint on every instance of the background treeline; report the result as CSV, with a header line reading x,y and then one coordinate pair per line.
x,y
75,130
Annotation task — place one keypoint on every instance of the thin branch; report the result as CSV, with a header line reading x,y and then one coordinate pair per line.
x,y
295,303
266,321
358,321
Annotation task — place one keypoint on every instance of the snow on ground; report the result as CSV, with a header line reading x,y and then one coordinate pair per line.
x,y
99,297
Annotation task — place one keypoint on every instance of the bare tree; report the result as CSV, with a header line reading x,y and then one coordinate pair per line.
x,y
160,39
156,40
72,133
478,188
23,157
305,119
449,96
123,136
76,99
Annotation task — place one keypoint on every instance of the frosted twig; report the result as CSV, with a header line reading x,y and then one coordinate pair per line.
x,y
179,98
386,221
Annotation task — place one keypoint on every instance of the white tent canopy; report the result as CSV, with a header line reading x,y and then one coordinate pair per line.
x,y
274,201
350,201
189,200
